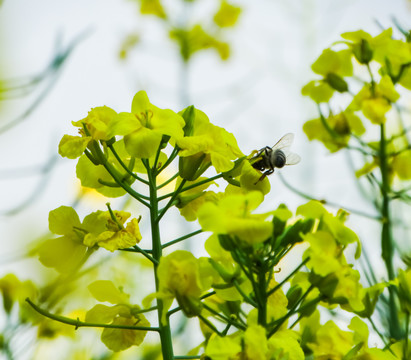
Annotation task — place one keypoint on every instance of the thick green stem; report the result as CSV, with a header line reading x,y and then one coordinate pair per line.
x,y
165,331
387,244
262,298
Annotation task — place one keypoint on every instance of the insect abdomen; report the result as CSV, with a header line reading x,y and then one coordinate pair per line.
x,y
278,158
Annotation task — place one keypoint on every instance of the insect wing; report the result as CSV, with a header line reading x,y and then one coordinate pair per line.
x,y
292,159
284,142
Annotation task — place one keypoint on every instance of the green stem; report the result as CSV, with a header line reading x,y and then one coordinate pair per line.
x,y
407,331
182,238
224,318
325,202
169,160
168,181
165,331
372,80
386,345
116,176
275,288
125,167
137,249
209,324
244,295
170,202
262,297
293,310
192,186
387,244
77,323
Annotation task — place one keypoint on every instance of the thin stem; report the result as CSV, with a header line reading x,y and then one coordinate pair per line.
x,y
293,310
54,69
77,323
223,318
387,245
124,185
169,160
387,346
172,242
244,295
275,288
142,311
407,331
262,297
208,295
170,202
116,176
209,324
156,161
125,167
168,181
372,79
192,186
137,249
309,197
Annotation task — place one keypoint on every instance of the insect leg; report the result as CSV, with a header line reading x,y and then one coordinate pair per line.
x,y
268,172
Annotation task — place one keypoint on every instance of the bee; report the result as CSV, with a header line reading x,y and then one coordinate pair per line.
x,y
269,158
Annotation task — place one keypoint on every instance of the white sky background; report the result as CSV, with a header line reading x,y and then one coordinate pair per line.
x,y
255,95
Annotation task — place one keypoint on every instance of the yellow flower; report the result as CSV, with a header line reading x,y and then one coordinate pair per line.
x,y
232,216
116,236
183,277
98,122
206,145
144,128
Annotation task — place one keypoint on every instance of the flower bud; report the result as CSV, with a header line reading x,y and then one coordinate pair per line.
x,y
192,167
293,295
190,305
226,242
363,52
188,115
336,82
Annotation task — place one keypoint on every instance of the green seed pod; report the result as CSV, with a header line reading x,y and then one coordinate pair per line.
x,y
363,52
336,82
